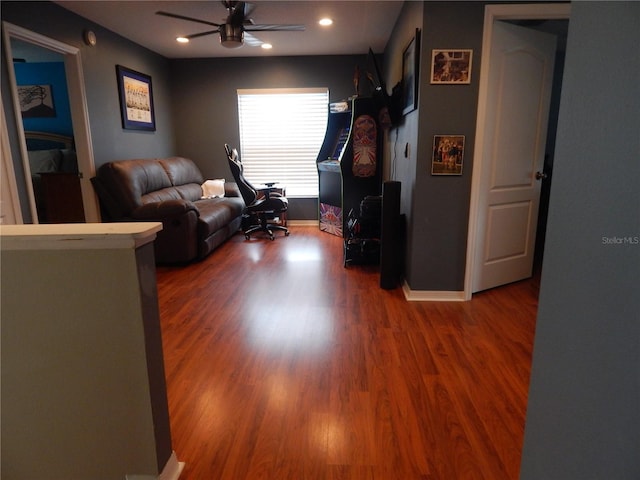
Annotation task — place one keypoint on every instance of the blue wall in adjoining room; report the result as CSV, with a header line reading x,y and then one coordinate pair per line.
x,y
47,73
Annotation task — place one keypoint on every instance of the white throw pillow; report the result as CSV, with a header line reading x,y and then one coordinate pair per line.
x,y
213,188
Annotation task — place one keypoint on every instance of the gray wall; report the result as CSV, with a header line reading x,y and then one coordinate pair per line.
x,y
205,106
583,418
436,207
441,203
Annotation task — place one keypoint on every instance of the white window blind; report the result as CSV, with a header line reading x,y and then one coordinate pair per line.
x,y
281,132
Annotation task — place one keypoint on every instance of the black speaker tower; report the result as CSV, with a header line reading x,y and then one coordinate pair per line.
x,y
391,248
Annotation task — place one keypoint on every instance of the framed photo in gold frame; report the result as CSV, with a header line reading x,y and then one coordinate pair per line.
x,y
448,154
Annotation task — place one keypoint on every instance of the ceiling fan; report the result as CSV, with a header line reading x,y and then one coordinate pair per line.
x,y
233,31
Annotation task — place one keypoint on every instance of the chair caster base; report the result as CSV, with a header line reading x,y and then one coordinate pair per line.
x,y
268,230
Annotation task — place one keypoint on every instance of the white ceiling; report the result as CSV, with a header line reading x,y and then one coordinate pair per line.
x,y
358,25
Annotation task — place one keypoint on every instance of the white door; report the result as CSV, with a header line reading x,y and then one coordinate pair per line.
x,y
515,130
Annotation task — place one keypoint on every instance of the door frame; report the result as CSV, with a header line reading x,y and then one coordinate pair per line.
x,y
79,115
492,13
9,174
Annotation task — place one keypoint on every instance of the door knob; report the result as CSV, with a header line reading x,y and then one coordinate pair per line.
x,y
541,175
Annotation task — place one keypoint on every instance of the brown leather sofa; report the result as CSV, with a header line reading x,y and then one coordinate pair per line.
x,y
169,190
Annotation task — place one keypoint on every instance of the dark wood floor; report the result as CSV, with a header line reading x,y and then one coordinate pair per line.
x,y
282,364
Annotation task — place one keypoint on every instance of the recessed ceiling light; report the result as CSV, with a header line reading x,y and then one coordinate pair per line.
x,y
267,46
182,40
325,22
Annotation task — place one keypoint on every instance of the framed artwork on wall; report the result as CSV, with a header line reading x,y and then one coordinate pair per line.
x,y
451,66
410,63
36,101
448,153
136,99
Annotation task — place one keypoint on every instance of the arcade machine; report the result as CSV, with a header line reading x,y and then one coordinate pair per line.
x,y
349,163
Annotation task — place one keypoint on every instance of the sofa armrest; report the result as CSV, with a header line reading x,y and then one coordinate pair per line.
x,y
164,209
231,189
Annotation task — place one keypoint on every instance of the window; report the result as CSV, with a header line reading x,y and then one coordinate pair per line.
x,y
281,132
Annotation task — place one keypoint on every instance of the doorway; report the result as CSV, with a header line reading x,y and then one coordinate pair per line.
x,y
542,17
77,145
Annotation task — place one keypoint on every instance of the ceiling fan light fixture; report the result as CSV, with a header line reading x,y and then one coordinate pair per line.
x,y
182,40
325,22
266,46
231,36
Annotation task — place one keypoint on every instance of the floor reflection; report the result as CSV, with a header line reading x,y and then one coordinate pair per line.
x,y
289,328
289,310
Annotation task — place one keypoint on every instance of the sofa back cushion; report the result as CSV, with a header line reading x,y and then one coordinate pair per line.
x,y
190,191
128,183
181,171
185,177
162,195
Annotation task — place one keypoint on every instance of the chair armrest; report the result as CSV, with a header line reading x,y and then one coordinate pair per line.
x,y
164,209
231,189
268,190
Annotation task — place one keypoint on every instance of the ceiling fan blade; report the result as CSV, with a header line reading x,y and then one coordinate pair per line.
x,y
251,40
274,28
190,19
248,10
201,34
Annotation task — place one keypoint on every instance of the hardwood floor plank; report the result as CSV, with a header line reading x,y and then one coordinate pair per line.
x,y
283,364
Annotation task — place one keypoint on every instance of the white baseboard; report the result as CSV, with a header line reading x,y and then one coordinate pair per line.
x,y
431,295
171,471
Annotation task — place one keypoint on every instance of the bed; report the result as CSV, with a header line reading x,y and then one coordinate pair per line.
x,y
54,175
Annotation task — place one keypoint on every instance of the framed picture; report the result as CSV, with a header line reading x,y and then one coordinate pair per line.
x,y
451,66
136,99
36,101
410,59
448,152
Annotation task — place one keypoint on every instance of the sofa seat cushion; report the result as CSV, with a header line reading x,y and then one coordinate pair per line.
x,y
215,213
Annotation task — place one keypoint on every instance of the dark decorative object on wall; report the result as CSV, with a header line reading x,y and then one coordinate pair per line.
x,y
448,151
136,99
410,71
451,66
36,101
390,106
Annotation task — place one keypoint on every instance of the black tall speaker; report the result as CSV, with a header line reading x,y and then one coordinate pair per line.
x,y
391,248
